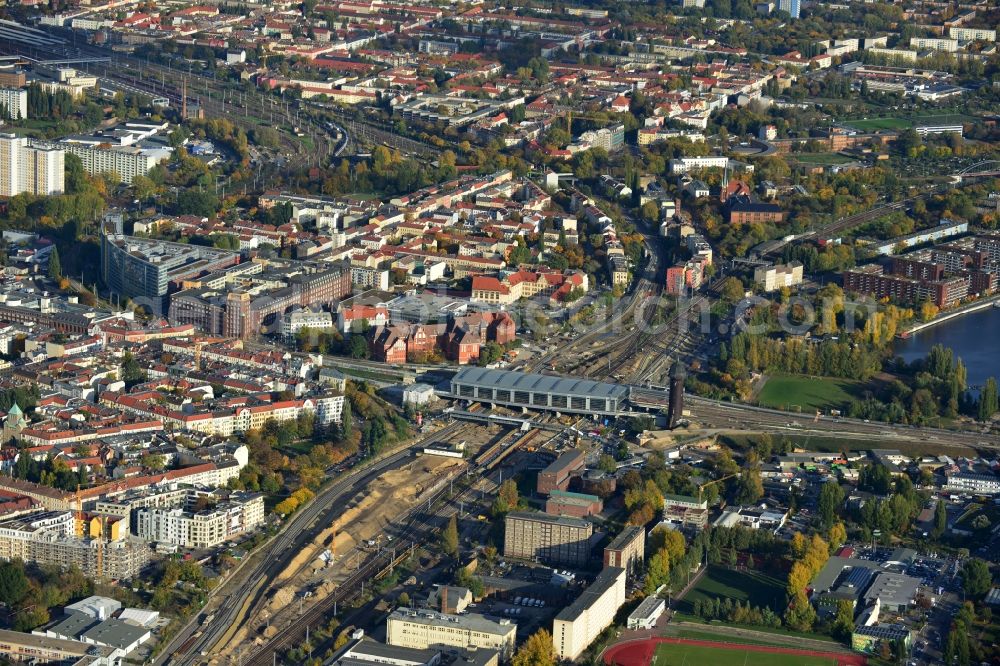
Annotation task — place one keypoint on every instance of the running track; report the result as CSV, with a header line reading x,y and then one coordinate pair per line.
x,y
640,652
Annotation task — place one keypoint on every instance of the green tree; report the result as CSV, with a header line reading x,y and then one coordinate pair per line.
x,y
976,578
940,519
358,347
732,289
346,421
538,650
144,187
132,372
75,175
607,463
154,462
988,400
750,487
831,496
449,537
843,624
55,267
13,582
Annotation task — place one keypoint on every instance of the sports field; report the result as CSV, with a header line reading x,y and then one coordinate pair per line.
x,y
872,124
897,123
743,586
695,655
807,393
690,652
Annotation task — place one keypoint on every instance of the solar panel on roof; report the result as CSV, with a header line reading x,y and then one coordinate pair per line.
x,y
858,577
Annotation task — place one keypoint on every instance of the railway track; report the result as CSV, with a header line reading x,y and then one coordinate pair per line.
x,y
251,587
420,524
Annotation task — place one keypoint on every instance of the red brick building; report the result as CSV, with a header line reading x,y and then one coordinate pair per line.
x,y
626,550
460,339
556,476
872,280
743,210
577,505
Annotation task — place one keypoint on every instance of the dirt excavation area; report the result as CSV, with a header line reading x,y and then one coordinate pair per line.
x,y
340,546
365,516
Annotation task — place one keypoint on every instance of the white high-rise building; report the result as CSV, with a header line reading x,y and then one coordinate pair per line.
x,y
25,167
14,103
126,161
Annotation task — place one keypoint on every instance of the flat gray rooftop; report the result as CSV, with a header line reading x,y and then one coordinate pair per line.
x,y
521,381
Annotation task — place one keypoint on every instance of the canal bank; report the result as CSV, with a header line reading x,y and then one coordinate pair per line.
x,y
954,314
974,337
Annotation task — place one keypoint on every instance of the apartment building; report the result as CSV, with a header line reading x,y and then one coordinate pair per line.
x,y
608,138
934,43
685,510
126,161
626,551
27,167
370,277
420,629
971,34
550,539
14,103
686,164
577,625
240,312
772,278
527,284
793,7
983,484
301,318
227,420
871,279
48,538
193,527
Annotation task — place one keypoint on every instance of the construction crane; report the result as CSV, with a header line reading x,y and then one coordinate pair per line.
x,y
100,553
713,482
79,512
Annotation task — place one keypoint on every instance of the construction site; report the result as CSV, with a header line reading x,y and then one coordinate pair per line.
x,y
377,523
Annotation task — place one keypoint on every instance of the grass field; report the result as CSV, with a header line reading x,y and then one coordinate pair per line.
x,y
822,159
833,444
757,588
693,655
896,123
711,636
808,393
872,124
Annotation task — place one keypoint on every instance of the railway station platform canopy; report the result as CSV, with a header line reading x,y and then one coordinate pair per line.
x,y
539,392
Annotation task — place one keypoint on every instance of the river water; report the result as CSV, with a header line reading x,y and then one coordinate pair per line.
x,y
975,338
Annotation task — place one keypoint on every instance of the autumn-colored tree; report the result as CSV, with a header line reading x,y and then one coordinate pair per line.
x,y
449,537
670,540
837,535
538,650
658,571
800,615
